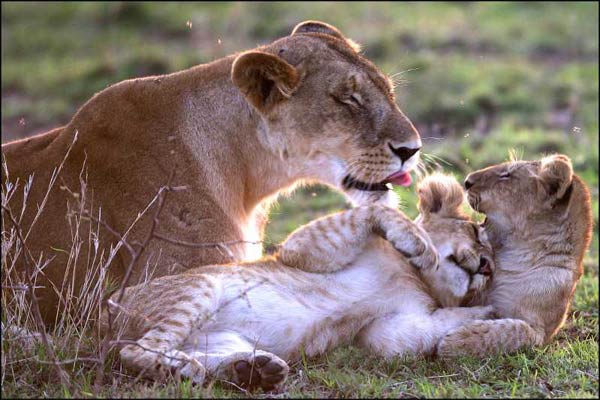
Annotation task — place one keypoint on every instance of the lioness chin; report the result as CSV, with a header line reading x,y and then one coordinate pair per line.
x,y
234,132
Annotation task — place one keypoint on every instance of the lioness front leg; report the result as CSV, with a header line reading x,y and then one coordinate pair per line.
x,y
330,243
482,338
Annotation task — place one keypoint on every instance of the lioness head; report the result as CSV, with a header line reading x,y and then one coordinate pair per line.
x,y
466,260
326,106
513,191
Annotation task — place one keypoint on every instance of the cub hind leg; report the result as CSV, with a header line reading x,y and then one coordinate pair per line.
x,y
230,357
166,324
158,364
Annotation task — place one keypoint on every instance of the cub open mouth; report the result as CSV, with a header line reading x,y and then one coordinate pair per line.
x,y
397,178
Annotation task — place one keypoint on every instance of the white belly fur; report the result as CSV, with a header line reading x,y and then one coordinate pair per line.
x,y
306,311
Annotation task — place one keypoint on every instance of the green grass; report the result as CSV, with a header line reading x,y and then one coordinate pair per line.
x,y
478,79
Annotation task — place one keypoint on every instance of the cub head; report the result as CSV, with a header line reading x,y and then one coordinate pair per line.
x,y
326,108
511,192
529,197
466,259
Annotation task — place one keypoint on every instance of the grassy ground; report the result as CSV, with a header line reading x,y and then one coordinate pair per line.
x,y
478,80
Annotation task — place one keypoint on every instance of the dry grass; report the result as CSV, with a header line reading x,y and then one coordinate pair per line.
x,y
74,357
73,360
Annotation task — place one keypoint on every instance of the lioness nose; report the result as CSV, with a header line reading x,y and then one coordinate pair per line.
x,y
468,183
404,152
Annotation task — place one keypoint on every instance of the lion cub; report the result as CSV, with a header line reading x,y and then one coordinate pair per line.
x,y
539,221
364,285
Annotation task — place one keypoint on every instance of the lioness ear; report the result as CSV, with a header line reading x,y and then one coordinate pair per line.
x,y
441,195
322,27
556,173
264,79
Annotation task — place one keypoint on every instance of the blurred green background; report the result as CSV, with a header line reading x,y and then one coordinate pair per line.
x,y
477,79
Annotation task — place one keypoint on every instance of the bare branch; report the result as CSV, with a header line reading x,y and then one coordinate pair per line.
x,y
106,342
86,214
70,361
202,245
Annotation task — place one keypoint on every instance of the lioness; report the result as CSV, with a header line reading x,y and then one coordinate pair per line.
x,y
235,131
539,221
242,322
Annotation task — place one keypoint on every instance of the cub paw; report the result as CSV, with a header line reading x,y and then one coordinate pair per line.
x,y
428,259
416,246
485,312
260,370
449,348
465,341
192,370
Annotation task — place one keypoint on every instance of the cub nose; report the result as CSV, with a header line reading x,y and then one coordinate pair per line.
x,y
468,183
404,152
485,267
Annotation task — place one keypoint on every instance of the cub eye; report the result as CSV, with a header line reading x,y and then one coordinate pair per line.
x,y
505,175
476,233
355,100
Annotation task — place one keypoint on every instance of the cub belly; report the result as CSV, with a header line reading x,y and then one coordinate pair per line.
x,y
288,310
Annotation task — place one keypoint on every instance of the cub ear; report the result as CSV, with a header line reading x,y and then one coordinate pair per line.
x,y
322,27
556,174
441,195
264,79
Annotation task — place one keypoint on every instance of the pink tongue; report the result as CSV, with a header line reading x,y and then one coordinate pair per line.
x,y
399,178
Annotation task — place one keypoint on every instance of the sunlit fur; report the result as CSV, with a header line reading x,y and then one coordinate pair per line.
x,y
367,275
235,132
539,221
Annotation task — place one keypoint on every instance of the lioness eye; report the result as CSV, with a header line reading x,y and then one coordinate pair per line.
x,y
505,175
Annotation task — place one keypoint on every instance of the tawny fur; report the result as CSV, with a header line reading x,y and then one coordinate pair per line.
x,y
236,131
361,275
539,221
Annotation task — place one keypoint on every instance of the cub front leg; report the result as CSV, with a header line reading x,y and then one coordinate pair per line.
x,y
416,333
330,243
483,338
